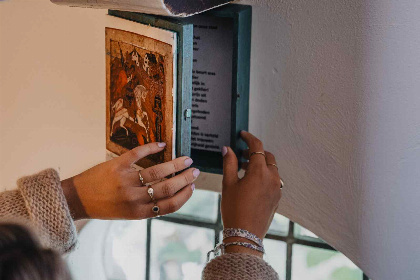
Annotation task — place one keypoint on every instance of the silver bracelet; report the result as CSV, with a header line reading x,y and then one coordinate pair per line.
x,y
221,248
237,232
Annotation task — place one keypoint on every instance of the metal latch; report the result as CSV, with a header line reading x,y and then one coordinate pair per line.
x,y
187,114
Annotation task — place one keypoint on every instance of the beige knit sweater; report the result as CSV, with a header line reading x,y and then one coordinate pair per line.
x,y
39,202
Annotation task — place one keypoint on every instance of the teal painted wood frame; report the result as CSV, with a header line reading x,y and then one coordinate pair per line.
x,y
184,32
212,162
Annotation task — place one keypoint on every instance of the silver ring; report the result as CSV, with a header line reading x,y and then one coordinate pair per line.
x,y
281,184
257,153
151,192
156,209
141,179
273,164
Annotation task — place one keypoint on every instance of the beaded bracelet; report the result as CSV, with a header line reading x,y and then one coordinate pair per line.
x,y
221,247
244,244
237,232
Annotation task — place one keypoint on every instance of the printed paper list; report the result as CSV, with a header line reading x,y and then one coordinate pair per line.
x,y
212,84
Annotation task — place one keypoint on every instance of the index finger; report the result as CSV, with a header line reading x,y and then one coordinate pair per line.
x,y
140,152
255,145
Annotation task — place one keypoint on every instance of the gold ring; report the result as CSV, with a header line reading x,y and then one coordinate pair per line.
x,y
281,184
141,178
257,153
156,209
151,192
273,164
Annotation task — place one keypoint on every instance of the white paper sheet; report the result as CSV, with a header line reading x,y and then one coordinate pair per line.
x,y
212,83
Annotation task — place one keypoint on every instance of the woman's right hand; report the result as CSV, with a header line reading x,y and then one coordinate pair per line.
x,y
112,190
249,203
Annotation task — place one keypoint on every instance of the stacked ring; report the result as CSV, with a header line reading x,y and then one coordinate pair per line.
x,y
257,153
141,178
150,191
268,164
273,164
156,209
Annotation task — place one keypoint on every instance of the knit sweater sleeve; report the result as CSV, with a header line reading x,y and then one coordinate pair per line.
x,y
238,266
40,203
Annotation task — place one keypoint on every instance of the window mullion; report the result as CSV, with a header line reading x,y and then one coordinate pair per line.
x,y
290,241
219,225
148,247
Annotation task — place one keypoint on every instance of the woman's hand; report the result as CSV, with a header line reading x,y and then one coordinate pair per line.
x,y
112,190
249,203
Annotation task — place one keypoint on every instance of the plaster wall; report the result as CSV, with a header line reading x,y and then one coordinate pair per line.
x,y
346,125
334,95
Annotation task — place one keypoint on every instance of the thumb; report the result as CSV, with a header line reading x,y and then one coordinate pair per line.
x,y
230,166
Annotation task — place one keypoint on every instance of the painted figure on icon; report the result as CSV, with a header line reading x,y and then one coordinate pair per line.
x,y
137,87
157,109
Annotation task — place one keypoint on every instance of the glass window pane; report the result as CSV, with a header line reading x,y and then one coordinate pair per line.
x,y
110,250
301,231
280,224
321,264
275,255
178,251
203,204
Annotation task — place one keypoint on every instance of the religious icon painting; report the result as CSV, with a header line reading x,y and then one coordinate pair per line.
x,y
140,88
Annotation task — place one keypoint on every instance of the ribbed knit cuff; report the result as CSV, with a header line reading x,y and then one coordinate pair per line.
x,y
239,266
48,209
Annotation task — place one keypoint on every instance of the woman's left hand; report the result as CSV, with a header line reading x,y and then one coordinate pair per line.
x,y
112,190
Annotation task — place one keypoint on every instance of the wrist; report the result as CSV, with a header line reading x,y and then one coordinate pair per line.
x,y
76,208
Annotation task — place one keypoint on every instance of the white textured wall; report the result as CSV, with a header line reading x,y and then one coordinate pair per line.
x,y
335,95
345,78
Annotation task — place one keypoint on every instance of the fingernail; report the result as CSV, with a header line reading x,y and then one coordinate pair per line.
x,y
196,172
188,162
193,187
224,151
161,145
